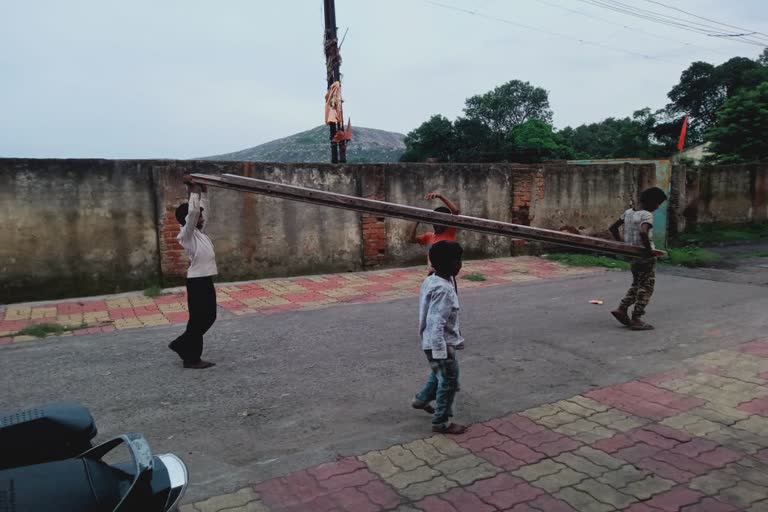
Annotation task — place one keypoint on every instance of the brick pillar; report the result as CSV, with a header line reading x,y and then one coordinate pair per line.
x,y
171,192
527,188
374,228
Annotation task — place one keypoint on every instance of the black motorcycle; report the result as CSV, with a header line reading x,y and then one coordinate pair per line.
x,y
47,464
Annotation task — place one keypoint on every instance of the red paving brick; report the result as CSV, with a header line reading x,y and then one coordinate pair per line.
x,y
300,487
756,348
177,317
352,500
719,457
652,438
675,499
695,447
683,462
644,400
710,505
756,406
380,493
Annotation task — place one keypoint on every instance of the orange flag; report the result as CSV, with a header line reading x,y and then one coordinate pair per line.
x,y
681,142
348,132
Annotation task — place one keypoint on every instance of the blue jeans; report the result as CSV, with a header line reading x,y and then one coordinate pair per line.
x,y
441,386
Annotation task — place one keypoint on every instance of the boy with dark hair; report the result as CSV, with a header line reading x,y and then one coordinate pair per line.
x,y
638,230
440,334
201,294
440,232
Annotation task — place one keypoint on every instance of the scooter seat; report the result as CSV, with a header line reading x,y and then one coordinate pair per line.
x,y
46,433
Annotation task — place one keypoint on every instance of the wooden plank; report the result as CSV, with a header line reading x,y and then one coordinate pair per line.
x,y
384,209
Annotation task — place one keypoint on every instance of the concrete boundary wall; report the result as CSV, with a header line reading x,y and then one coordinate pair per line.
x,y
82,227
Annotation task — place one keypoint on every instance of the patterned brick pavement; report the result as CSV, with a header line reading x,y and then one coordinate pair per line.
x,y
693,440
132,311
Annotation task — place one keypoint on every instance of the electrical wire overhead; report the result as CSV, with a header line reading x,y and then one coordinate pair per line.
x,y
630,27
545,31
753,38
705,19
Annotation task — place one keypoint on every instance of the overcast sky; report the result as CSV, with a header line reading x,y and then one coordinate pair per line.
x,y
187,78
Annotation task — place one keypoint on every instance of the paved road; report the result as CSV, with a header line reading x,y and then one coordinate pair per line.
x,y
299,388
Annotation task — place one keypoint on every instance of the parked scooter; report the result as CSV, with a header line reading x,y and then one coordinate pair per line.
x,y
45,471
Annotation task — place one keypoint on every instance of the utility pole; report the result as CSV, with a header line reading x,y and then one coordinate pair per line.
x,y
333,66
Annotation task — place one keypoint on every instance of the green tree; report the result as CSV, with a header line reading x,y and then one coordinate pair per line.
x,y
741,131
535,141
474,142
763,58
615,138
703,89
433,139
509,105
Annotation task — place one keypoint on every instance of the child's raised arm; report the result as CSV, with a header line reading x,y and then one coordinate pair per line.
x,y
450,204
412,238
614,229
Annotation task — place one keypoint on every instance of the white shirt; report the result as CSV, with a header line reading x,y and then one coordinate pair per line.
x,y
438,316
198,246
633,220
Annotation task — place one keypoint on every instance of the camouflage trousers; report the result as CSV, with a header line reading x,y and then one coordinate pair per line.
x,y
643,282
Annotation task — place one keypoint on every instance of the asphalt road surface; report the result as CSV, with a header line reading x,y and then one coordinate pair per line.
x,y
300,388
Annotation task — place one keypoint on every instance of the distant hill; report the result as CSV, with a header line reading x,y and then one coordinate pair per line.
x,y
368,145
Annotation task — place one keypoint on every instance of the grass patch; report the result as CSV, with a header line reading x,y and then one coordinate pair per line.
x,y
690,257
43,330
587,260
153,291
753,254
724,233
476,276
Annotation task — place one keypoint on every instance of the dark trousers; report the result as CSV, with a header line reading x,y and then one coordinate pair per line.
x,y
643,283
201,302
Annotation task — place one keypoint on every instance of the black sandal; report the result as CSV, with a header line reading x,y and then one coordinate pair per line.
x,y
426,407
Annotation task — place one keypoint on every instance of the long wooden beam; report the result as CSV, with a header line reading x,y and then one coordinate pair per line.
x,y
384,209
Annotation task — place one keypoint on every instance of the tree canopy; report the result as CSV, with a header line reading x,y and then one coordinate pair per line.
x,y
513,122
741,132
509,105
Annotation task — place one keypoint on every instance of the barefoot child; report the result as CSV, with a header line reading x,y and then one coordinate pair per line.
x,y
439,330
638,230
201,295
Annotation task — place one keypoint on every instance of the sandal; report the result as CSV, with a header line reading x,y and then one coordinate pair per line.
x,y
639,325
200,365
621,316
426,407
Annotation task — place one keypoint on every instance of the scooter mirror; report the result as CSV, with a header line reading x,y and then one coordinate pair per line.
x,y
179,479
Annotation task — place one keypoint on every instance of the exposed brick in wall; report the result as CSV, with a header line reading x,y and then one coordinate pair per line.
x,y
171,193
173,261
527,188
374,230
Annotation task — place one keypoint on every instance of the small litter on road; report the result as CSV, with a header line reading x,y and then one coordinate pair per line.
x,y
596,301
